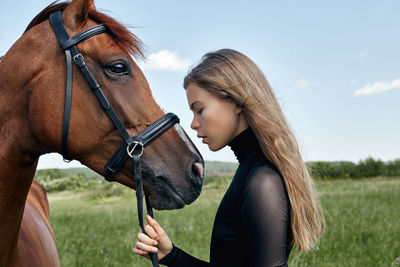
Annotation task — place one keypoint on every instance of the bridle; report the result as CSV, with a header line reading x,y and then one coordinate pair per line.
x,y
132,147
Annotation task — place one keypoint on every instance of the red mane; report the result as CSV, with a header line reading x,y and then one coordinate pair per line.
x,y
121,35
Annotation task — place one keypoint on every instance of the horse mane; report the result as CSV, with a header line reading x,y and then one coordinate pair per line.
x,y
120,34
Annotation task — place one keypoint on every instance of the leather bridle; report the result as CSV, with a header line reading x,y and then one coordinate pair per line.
x,y
132,147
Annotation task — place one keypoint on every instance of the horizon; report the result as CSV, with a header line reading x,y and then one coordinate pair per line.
x,y
227,162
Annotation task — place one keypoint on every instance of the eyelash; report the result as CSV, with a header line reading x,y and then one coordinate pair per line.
x,y
199,111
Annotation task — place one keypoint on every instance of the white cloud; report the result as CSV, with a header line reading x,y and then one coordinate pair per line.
x,y
363,54
165,60
378,87
302,83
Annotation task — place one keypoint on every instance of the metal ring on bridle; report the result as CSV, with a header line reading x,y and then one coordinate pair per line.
x,y
131,152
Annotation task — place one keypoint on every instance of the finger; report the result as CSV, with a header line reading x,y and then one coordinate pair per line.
x,y
150,231
145,247
135,250
140,252
155,225
142,237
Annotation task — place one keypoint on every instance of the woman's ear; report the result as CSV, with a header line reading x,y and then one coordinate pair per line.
x,y
238,108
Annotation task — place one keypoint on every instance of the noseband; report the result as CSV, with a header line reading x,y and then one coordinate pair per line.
x,y
132,147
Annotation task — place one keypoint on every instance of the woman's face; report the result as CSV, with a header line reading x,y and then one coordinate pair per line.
x,y
217,121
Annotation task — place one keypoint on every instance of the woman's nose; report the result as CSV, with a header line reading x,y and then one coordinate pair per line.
x,y
195,124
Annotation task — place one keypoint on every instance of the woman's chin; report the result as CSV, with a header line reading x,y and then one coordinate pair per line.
x,y
214,148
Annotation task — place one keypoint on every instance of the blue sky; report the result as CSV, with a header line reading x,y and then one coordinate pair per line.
x,y
334,65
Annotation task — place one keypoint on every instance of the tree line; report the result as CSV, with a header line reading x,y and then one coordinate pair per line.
x,y
369,167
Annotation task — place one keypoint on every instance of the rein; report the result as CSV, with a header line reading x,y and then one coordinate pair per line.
x,y
133,147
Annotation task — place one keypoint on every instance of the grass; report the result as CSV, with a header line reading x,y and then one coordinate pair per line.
x,y
362,225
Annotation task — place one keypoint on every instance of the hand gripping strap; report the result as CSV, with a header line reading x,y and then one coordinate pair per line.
x,y
145,137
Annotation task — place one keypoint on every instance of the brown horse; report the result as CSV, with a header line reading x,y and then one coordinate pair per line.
x,y
32,95
36,243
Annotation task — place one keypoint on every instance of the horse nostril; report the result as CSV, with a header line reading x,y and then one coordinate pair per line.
x,y
198,169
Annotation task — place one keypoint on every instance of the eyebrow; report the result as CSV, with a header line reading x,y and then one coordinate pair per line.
x,y
193,104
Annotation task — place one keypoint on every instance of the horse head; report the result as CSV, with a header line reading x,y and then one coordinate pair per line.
x,y
172,167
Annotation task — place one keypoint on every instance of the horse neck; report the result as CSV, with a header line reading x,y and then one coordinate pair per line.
x,y
18,165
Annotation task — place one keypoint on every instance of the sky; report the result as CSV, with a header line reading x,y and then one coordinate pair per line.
x,y
333,65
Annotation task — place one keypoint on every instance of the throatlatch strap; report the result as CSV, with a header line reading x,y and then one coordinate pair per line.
x,y
139,196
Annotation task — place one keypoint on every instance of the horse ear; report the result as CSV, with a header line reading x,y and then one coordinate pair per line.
x,y
76,13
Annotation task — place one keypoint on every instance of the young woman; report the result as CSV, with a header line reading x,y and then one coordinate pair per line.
x,y
270,204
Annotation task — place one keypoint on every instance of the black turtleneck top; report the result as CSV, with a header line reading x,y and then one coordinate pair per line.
x,y
252,225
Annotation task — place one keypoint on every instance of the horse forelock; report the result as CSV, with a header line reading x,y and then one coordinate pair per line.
x,y
121,35
125,39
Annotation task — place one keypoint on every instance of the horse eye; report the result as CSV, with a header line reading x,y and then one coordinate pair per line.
x,y
118,69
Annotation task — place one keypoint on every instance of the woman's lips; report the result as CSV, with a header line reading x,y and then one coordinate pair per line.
x,y
203,138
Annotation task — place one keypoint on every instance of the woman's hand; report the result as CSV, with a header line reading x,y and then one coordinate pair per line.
x,y
155,241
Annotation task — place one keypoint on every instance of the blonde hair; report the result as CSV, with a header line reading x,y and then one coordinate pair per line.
x,y
230,74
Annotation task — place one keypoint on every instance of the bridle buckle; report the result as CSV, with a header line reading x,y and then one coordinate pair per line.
x,y
80,57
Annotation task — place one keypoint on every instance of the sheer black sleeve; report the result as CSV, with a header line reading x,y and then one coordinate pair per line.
x,y
265,216
179,258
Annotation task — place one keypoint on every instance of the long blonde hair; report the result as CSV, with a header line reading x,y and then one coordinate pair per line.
x,y
230,74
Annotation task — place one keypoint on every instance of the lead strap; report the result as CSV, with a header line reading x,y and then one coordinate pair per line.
x,y
139,195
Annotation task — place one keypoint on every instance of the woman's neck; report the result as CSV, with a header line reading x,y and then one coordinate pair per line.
x,y
245,146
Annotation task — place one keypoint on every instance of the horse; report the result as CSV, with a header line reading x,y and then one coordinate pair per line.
x,y
36,241
32,99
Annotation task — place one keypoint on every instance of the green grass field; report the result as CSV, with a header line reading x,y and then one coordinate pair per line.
x,y
362,225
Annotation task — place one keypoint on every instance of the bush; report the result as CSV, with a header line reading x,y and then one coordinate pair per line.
x,y
393,168
347,169
329,170
55,180
371,167
108,190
